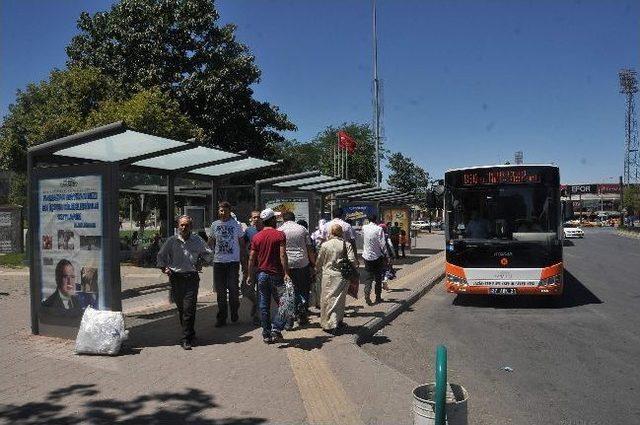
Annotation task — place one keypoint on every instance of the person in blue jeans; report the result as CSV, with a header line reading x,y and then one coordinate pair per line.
x,y
269,255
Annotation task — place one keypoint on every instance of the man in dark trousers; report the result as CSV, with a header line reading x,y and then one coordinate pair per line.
x,y
227,242
269,256
181,259
374,253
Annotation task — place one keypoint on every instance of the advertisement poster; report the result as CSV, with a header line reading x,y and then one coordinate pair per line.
x,y
299,206
70,238
401,215
357,214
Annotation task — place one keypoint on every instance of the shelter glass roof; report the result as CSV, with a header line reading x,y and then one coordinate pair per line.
x,y
120,146
233,167
341,188
327,185
308,180
194,156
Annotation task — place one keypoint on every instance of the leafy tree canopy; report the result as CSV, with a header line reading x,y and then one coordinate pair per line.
x,y
631,199
178,46
406,176
78,99
318,154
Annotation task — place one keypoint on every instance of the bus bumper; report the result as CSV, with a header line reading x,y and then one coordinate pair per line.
x,y
550,283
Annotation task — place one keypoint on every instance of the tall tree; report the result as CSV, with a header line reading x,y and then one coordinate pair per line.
x,y
407,177
318,153
178,46
74,100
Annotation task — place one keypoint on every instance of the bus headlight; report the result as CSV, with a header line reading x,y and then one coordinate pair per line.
x,y
455,280
551,281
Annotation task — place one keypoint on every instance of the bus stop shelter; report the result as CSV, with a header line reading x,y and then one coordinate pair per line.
x,y
73,212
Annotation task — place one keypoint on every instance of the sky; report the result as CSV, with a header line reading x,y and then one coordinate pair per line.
x,y
464,82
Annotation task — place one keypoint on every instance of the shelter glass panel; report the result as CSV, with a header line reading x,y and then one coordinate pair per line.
x,y
194,156
233,167
119,147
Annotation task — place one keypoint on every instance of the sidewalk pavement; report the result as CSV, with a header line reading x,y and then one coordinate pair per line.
x,y
230,377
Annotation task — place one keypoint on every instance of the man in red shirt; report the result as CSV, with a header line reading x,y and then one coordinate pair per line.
x,y
269,255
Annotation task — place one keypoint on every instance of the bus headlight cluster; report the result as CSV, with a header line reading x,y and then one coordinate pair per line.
x,y
455,280
551,281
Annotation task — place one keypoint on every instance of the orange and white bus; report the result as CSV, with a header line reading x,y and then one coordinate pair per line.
x,y
503,230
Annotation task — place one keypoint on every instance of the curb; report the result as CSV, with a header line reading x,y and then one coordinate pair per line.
x,y
374,325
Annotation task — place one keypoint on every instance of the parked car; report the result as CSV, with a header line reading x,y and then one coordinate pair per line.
x,y
571,230
419,225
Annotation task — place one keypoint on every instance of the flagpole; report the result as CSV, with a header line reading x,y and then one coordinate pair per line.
x,y
335,158
376,92
346,153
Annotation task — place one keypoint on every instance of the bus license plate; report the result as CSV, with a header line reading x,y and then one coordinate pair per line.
x,y
502,291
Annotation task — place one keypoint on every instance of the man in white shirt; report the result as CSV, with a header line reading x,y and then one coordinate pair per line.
x,y
348,233
301,259
373,253
227,242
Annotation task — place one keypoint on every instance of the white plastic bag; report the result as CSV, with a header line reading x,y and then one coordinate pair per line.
x,y
287,303
101,332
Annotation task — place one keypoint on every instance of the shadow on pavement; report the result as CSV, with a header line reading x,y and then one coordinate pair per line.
x,y
575,294
410,259
398,290
164,329
307,344
567,242
154,408
425,251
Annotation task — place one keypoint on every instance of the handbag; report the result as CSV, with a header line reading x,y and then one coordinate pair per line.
x,y
347,270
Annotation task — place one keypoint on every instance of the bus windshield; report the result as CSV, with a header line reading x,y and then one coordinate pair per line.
x,y
525,213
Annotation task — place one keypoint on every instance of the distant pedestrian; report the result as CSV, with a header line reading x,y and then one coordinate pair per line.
x,y
394,235
316,236
301,259
227,242
334,285
348,233
268,262
374,254
249,287
403,241
181,258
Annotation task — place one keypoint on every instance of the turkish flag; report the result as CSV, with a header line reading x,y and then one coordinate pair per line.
x,y
346,142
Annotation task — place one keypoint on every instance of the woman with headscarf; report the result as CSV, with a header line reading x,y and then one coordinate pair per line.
x,y
334,286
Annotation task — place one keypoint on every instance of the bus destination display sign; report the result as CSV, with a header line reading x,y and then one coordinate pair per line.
x,y
497,176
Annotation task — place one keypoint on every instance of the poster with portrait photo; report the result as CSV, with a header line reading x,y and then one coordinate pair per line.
x,y
72,273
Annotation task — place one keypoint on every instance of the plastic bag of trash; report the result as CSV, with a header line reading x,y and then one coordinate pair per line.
x,y
287,302
101,332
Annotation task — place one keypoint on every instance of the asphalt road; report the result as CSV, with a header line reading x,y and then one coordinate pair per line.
x,y
575,362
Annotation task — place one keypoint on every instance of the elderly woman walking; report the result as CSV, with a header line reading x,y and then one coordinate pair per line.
x,y
334,286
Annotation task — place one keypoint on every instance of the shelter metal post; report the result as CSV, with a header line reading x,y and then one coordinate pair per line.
x,y
214,200
257,194
31,212
112,271
170,204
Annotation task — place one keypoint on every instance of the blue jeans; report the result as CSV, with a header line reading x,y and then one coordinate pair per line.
x,y
267,288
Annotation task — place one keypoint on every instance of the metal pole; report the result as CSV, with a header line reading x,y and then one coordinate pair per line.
x,y
335,164
441,384
346,153
170,205
31,244
376,100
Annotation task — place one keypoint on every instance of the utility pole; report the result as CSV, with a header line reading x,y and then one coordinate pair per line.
x,y
629,86
376,96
